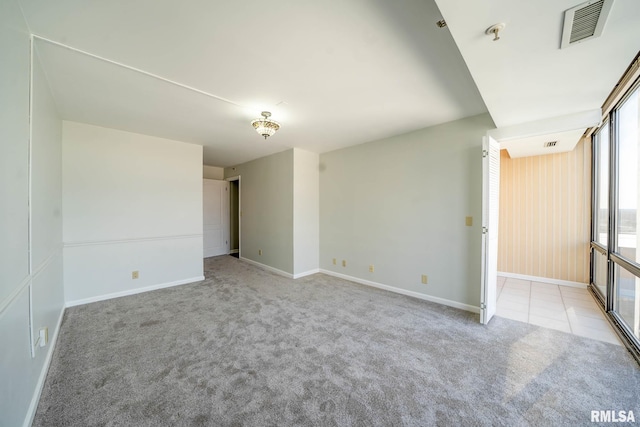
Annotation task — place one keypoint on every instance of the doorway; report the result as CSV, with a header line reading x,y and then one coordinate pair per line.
x,y
234,216
543,256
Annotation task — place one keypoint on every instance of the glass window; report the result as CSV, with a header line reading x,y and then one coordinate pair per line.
x,y
602,186
628,138
627,298
600,272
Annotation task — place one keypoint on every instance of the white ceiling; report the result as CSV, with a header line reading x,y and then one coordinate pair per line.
x,y
535,145
525,76
370,68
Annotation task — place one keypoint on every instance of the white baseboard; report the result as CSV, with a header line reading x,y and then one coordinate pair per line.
x,y
280,272
306,273
418,295
33,406
544,280
268,268
234,251
133,291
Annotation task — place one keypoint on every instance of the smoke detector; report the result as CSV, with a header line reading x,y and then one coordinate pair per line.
x,y
585,22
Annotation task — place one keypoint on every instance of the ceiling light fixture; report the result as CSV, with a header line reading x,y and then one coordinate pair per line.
x,y
265,126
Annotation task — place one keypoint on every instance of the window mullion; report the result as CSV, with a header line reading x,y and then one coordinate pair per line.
x,y
613,208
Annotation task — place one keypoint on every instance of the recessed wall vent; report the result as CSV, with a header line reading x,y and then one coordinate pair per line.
x,y
585,21
550,144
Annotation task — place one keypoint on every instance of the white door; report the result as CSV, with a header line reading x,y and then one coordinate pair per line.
x,y
215,217
490,211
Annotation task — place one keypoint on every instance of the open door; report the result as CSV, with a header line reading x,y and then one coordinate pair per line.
x,y
490,211
215,216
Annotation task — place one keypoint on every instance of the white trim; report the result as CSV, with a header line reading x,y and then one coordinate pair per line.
x,y
31,413
306,273
438,300
234,251
544,280
30,164
31,323
138,70
30,197
267,267
133,291
4,304
131,240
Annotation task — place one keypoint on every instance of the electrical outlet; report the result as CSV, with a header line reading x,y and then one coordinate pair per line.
x,y
424,279
135,274
259,251
43,336
371,268
344,262
334,261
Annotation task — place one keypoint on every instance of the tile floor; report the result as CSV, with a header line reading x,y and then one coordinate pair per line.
x,y
567,309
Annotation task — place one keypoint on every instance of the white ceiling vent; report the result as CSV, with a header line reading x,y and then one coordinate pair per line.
x,y
550,143
584,22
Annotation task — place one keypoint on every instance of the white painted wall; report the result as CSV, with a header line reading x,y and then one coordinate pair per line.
x,y
212,172
46,210
400,204
306,212
267,210
131,202
27,290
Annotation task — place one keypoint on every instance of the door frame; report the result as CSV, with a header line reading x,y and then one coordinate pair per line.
x,y
239,179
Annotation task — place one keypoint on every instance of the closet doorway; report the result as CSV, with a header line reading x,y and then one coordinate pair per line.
x,y
235,216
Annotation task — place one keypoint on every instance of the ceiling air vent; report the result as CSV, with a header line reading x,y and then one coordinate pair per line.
x,y
584,22
550,144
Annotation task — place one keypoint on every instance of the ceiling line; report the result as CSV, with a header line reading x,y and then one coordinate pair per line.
x,y
137,70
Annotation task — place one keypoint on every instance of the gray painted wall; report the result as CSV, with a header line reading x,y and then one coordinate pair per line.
x,y
266,191
306,212
23,284
14,149
400,204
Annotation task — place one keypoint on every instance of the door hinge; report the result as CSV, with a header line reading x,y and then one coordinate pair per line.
x,y
485,153
485,230
483,306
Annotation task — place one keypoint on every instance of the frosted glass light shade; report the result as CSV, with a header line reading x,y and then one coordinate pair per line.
x,y
265,126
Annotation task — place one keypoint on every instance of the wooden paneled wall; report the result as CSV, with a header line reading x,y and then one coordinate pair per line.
x,y
545,214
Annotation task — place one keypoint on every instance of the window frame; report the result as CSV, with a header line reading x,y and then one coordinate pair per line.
x,y
612,253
